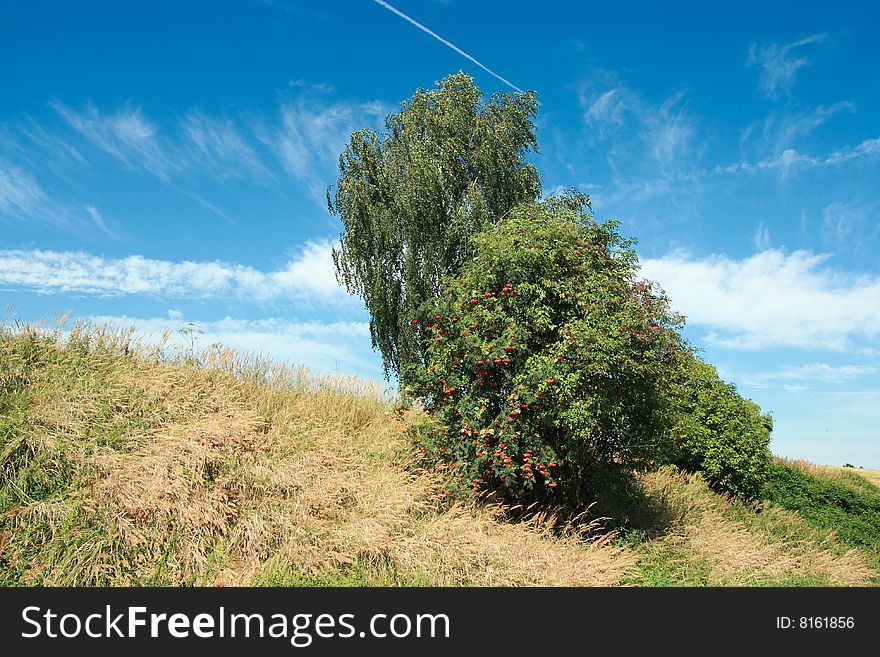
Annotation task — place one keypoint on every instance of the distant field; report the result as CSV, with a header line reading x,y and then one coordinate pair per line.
x,y
854,477
871,475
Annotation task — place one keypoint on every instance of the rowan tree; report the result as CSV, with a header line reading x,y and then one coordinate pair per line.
x,y
548,360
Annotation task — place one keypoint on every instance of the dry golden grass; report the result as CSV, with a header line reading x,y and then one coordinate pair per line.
x,y
122,466
167,473
740,548
873,476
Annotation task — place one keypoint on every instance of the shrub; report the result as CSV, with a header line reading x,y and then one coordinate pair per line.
x,y
546,359
718,432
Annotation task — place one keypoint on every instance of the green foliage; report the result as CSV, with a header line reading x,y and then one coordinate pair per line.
x,y
718,432
448,167
546,358
828,505
551,296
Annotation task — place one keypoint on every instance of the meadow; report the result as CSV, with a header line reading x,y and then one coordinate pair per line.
x,y
127,464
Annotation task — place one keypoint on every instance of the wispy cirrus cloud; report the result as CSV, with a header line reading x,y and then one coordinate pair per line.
x,y
762,237
22,197
307,276
850,223
669,139
301,140
682,180
606,110
663,149
214,146
641,139
23,200
822,372
127,135
218,145
99,220
771,299
782,129
312,134
55,148
778,65
671,134
790,158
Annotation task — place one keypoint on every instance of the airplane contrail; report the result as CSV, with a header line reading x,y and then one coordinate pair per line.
x,y
446,43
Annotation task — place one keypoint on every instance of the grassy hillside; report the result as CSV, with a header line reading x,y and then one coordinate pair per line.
x,y
707,539
829,499
858,478
120,465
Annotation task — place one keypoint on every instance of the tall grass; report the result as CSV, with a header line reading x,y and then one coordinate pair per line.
x,y
715,540
124,465
829,500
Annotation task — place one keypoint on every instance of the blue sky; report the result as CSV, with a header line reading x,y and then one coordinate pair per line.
x,y
167,162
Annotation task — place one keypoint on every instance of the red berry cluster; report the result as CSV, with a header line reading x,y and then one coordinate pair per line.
x,y
486,418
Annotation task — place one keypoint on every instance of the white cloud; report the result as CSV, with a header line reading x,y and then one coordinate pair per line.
x,y
217,144
778,65
21,196
337,347
762,237
312,135
309,275
818,372
126,135
312,270
771,299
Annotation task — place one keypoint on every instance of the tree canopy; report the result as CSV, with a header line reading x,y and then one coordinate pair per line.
x,y
716,431
448,166
546,367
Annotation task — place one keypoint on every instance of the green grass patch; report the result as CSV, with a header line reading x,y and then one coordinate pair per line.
x,y
664,563
853,512
362,572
